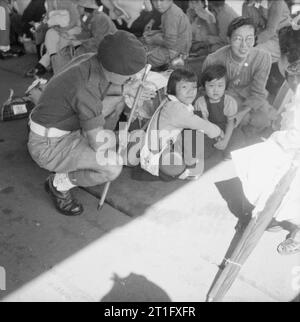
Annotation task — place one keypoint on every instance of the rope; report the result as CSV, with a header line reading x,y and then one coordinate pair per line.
x,y
233,263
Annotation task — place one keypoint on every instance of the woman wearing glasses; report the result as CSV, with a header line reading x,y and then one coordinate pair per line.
x,y
248,70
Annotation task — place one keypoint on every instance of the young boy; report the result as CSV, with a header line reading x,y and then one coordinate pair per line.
x,y
219,108
175,37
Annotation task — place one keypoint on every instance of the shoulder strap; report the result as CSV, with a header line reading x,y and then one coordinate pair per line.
x,y
206,101
160,110
157,124
157,112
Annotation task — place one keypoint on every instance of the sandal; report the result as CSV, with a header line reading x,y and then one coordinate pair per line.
x,y
289,247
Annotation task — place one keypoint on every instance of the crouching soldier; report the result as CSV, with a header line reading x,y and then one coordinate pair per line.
x,y
69,117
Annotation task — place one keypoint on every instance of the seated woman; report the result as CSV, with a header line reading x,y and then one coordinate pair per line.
x,y
248,70
267,162
175,134
268,21
203,25
64,22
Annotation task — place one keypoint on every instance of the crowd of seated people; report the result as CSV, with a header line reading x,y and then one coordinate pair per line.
x,y
172,30
197,27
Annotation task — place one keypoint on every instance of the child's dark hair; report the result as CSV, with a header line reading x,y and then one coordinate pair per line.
x,y
180,75
238,23
213,72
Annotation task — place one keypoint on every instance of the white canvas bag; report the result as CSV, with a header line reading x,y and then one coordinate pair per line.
x,y
149,160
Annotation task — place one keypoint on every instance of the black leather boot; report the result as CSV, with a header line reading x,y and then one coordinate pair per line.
x,y
63,201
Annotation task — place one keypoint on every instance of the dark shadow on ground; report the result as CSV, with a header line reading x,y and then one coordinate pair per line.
x,y
232,192
135,288
135,191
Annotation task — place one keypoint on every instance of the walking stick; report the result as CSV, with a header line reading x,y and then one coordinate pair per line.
x,y
134,107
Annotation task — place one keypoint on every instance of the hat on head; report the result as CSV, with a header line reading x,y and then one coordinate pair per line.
x,y
122,53
91,4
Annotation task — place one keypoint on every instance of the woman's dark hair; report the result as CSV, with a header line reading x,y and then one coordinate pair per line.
x,y
289,41
180,75
238,23
213,72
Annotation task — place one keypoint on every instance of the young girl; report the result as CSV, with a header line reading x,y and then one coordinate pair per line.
x,y
219,108
175,132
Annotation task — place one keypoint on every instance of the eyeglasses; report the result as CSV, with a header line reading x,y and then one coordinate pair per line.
x,y
238,40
